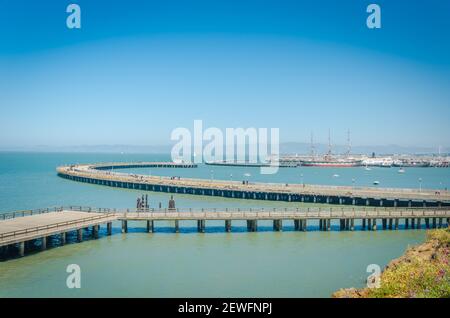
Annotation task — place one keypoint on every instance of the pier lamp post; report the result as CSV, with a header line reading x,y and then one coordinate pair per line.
x,y
420,184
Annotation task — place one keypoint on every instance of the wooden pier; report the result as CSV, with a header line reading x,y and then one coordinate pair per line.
x,y
17,228
104,174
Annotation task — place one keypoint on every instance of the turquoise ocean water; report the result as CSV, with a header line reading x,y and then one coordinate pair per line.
x,y
189,264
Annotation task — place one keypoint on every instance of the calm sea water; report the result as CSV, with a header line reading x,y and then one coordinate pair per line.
x,y
189,264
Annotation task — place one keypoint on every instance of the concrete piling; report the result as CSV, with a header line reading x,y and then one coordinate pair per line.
x,y
201,226
363,224
22,249
149,226
434,223
396,223
177,226
109,228
228,226
63,238
95,231
80,235
44,243
124,226
277,225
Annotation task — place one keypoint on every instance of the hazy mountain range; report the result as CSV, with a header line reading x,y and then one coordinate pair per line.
x,y
285,148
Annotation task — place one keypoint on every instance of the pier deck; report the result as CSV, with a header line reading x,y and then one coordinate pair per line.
x,y
20,229
17,228
342,195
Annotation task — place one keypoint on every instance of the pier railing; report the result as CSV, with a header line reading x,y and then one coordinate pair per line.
x,y
94,171
46,228
250,213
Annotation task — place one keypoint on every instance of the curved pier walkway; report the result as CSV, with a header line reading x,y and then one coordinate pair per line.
x,y
17,229
103,174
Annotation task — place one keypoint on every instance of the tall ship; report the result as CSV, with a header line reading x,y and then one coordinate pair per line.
x,y
340,163
328,160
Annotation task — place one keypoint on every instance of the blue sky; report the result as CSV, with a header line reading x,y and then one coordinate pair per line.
x,y
138,69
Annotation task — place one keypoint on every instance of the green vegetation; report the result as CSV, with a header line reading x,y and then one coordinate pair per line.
x,y
422,272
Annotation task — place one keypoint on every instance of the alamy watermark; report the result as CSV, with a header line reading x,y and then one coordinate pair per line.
x,y
74,278
230,146
374,279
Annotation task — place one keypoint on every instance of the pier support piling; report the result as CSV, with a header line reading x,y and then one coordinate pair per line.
x,y
434,223
228,226
406,223
109,228
352,225
277,225
44,243
177,226
149,226
396,223
124,226
63,238
201,226
297,225
80,235
363,224
374,226
21,249
95,231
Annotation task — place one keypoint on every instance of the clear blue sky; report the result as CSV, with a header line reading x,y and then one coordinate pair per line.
x,y
138,69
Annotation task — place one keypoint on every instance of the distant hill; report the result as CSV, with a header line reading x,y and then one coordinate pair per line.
x,y
285,148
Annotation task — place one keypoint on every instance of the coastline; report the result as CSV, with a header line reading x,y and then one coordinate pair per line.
x,y
423,271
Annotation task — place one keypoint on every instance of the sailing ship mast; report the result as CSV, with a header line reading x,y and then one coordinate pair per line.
x,y
349,146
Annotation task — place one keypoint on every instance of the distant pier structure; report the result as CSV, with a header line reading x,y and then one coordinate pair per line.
x,y
104,174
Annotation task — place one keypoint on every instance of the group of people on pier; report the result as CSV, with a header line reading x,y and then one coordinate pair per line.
x,y
142,203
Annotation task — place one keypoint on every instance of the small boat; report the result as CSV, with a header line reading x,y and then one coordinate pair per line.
x,y
367,168
401,170
335,176
376,182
